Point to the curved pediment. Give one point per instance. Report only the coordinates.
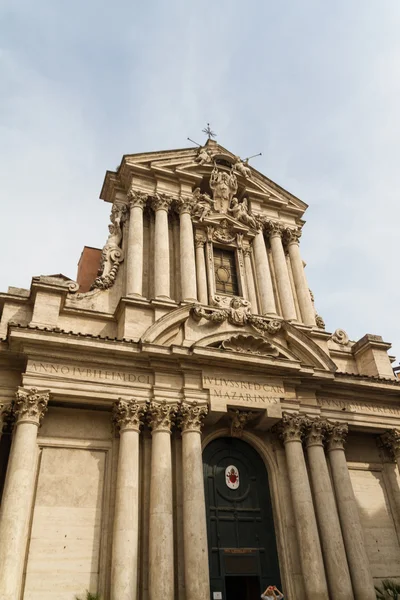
(193, 326)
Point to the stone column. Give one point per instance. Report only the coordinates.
(312, 564)
(281, 271)
(250, 278)
(353, 535)
(303, 294)
(134, 250)
(161, 547)
(263, 273)
(197, 581)
(30, 406)
(201, 273)
(186, 249)
(124, 562)
(337, 569)
(161, 204)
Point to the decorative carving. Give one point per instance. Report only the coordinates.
(238, 313)
(137, 198)
(242, 167)
(128, 414)
(340, 337)
(73, 286)
(249, 344)
(320, 323)
(292, 236)
(112, 254)
(185, 205)
(224, 186)
(273, 228)
(240, 211)
(239, 419)
(161, 202)
(199, 239)
(316, 432)
(391, 441)
(191, 416)
(203, 204)
(203, 156)
(161, 415)
(337, 433)
(292, 428)
(7, 418)
(31, 404)
(224, 233)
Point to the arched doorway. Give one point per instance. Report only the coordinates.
(242, 550)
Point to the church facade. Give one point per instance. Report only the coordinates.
(178, 423)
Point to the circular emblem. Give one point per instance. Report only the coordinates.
(232, 477)
(223, 274)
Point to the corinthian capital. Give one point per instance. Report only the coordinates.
(292, 236)
(316, 432)
(30, 405)
(161, 415)
(161, 202)
(391, 441)
(192, 416)
(185, 205)
(292, 428)
(337, 433)
(137, 198)
(274, 229)
(128, 414)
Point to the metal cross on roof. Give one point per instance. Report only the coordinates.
(209, 133)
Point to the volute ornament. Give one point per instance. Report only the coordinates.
(161, 415)
(128, 414)
(112, 254)
(30, 404)
(336, 434)
(340, 337)
(191, 416)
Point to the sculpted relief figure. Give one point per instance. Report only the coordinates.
(239, 311)
(240, 212)
(242, 168)
(203, 157)
(203, 204)
(112, 254)
(224, 186)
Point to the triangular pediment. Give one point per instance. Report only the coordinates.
(226, 222)
(188, 162)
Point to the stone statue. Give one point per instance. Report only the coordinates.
(203, 204)
(239, 311)
(240, 212)
(203, 157)
(242, 168)
(224, 186)
(112, 254)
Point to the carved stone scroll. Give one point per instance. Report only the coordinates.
(112, 254)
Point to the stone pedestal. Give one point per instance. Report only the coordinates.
(300, 281)
(194, 511)
(312, 564)
(134, 251)
(264, 280)
(30, 407)
(124, 562)
(161, 204)
(282, 275)
(161, 547)
(188, 264)
(337, 570)
(353, 535)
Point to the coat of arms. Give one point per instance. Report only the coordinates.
(232, 477)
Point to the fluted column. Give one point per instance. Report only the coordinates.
(281, 271)
(188, 263)
(197, 581)
(353, 535)
(303, 294)
(201, 273)
(30, 406)
(250, 278)
(312, 564)
(263, 273)
(127, 416)
(134, 251)
(161, 204)
(337, 570)
(161, 548)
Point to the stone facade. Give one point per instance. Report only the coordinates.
(199, 325)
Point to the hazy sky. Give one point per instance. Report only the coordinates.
(314, 86)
